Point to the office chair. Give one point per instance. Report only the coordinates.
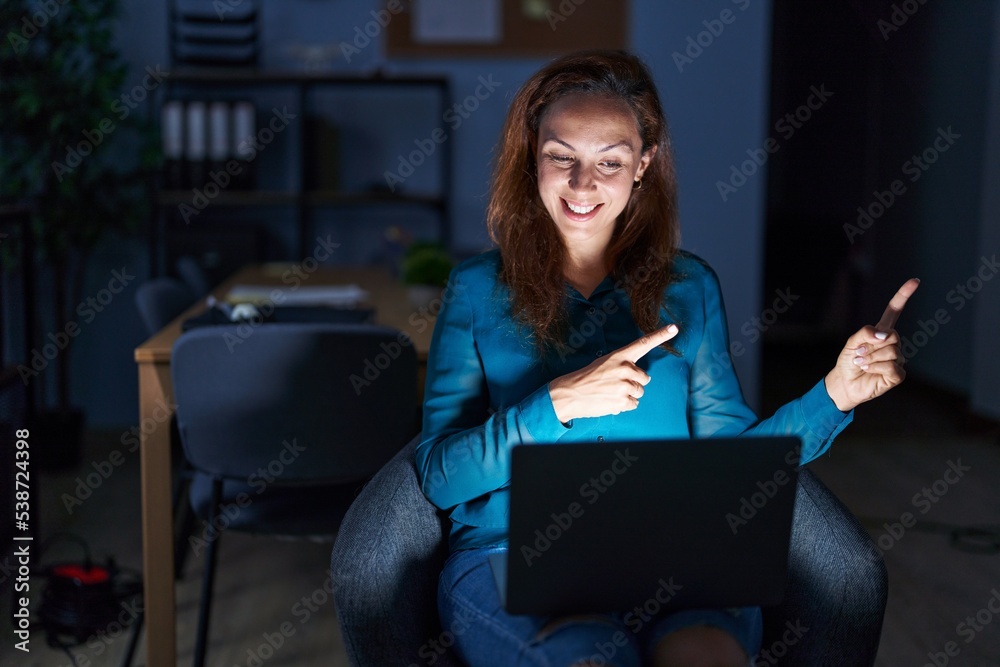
(160, 300)
(193, 275)
(302, 402)
(393, 543)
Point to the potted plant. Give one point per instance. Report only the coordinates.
(425, 269)
(66, 117)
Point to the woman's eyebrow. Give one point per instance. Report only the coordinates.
(621, 144)
(558, 141)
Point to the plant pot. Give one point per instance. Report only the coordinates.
(421, 296)
(57, 439)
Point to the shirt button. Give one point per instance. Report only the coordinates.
(600, 438)
(591, 310)
(599, 353)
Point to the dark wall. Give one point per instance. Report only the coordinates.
(717, 108)
(905, 75)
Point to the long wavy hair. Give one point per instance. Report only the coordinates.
(644, 241)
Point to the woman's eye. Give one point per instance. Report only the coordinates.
(611, 165)
(561, 159)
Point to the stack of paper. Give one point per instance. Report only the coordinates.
(339, 296)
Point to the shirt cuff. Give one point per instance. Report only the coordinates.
(539, 417)
(822, 415)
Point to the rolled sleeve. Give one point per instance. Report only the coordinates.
(539, 417)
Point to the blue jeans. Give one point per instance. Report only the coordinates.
(485, 634)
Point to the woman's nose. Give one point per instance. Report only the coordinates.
(581, 179)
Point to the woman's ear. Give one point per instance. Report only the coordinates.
(644, 161)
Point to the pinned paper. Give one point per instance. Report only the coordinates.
(449, 22)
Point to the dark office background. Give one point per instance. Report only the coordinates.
(796, 128)
(892, 90)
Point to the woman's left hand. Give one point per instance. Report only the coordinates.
(870, 363)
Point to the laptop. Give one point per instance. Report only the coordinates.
(616, 526)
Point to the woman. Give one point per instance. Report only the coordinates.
(588, 323)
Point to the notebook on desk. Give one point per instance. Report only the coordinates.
(609, 527)
(341, 296)
(281, 314)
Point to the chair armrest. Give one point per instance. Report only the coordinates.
(837, 589)
(392, 546)
(385, 565)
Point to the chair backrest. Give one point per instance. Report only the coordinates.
(160, 300)
(193, 275)
(296, 402)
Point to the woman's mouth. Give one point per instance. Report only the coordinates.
(579, 212)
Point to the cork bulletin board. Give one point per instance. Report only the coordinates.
(516, 28)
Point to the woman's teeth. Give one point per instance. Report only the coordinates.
(582, 210)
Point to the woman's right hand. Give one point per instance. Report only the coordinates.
(609, 385)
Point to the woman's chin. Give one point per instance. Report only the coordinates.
(584, 232)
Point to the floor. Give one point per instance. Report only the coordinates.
(893, 466)
(276, 610)
(272, 605)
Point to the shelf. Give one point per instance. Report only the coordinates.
(293, 195)
(231, 198)
(320, 198)
(288, 198)
(241, 77)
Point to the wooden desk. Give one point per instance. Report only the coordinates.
(156, 406)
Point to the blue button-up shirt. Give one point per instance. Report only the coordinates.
(487, 388)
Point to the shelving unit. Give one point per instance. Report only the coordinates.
(304, 87)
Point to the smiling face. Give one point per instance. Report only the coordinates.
(589, 156)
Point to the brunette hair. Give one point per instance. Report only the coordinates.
(645, 239)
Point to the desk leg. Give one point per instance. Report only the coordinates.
(156, 394)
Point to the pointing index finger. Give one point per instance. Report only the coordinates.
(638, 348)
(895, 307)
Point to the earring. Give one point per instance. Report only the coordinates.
(637, 187)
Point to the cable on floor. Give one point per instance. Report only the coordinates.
(981, 539)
